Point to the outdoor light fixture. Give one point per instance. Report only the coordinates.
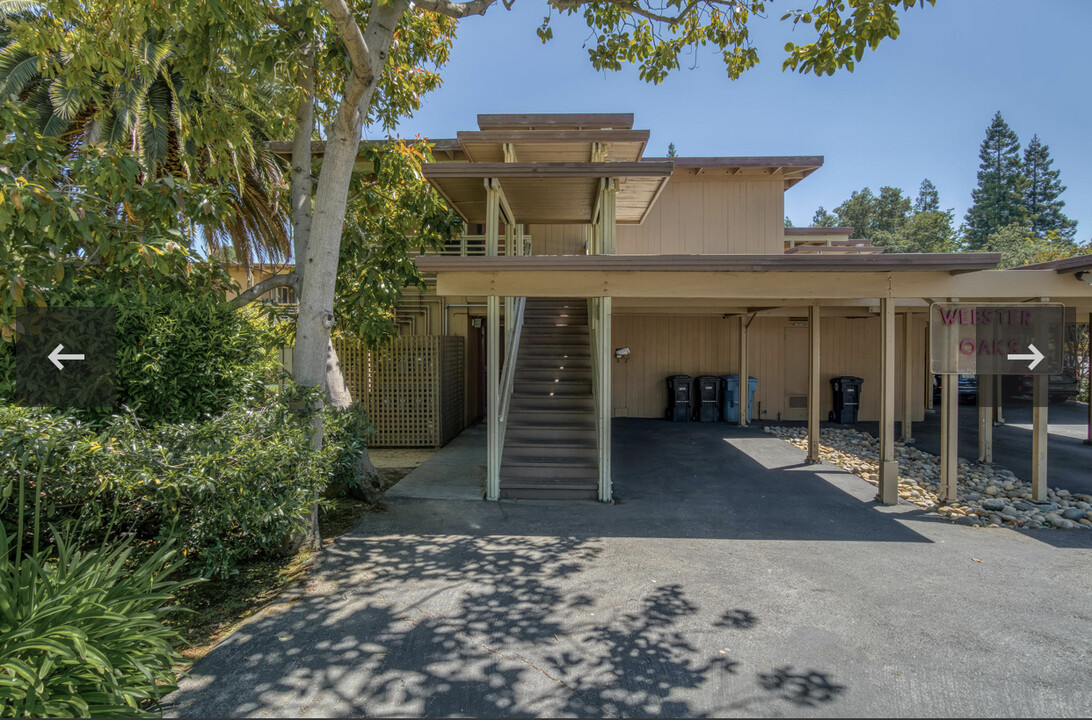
(1085, 276)
(621, 353)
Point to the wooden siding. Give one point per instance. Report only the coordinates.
(557, 239)
(708, 218)
(662, 345)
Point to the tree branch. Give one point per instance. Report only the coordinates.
(349, 30)
(455, 9)
(270, 283)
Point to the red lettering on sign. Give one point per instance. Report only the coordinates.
(966, 347)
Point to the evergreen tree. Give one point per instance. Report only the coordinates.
(671, 152)
(928, 198)
(999, 197)
(874, 216)
(1041, 196)
(822, 218)
(788, 222)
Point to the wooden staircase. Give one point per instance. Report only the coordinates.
(550, 442)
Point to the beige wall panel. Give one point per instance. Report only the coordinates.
(712, 218)
(662, 345)
(557, 239)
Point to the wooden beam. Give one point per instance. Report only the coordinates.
(606, 402)
(984, 397)
(573, 121)
(888, 491)
(546, 170)
(814, 387)
(744, 377)
(492, 366)
(907, 376)
(1039, 421)
(949, 437)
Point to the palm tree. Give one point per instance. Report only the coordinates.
(145, 112)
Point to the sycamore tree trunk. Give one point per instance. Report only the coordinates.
(313, 358)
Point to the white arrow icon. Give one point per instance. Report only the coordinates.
(1035, 356)
(56, 356)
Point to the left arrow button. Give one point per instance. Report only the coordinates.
(56, 356)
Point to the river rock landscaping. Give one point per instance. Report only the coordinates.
(988, 495)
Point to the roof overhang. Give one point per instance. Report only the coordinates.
(549, 193)
(553, 145)
(791, 169)
(1075, 264)
(745, 279)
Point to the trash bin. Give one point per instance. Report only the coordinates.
(679, 389)
(847, 398)
(707, 398)
(730, 397)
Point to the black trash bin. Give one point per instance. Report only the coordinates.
(847, 398)
(707, 398)
(679, 397)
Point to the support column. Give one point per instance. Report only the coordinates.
(888, 492)
(949, 436)
(509, 301)
(1039, 438)
(998, 393)
(907, 376)
(492, 359)
(606, 403)
(985, 417)
(744, 378)
(1088, 381)
(814, 389)
(927, 365)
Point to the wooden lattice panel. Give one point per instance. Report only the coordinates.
(413, 389)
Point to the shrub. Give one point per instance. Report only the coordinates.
(81, 632)
(229, 488)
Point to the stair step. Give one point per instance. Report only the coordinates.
(553, 375)
(536, 403)
(561, 416)
(551, 436)
(549, 389)
(542, 474)
(517, 450)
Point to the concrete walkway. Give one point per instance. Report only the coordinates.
(456, 472)
(731, 579)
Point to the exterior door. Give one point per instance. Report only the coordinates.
(795, 369)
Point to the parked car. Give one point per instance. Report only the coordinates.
(1060, 387)
(968, 388)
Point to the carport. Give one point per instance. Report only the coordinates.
(749, 286)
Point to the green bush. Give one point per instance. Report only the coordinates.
(229, 488)
(81, 633)
(182, 352)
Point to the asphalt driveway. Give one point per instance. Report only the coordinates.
(731, 579)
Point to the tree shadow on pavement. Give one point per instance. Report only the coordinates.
(477, 625)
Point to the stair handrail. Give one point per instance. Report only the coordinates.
(508, 373)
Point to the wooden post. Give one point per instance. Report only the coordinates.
(1039, 438)
(985, 417)
(888, 491)
(1088, 381)
(606, 404)
(492, 364)
(509, 301)
(949, 436)
(606, 245)
(907, 376)
(928, 365)
(814, 389)
(744, 378)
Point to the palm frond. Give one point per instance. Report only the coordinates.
(67, 100)
(56, 125)
(155, 126)
(18, 69)
(17, 7)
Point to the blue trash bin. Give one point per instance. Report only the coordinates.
(730, 398)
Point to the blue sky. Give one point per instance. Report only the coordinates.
(918, 107)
